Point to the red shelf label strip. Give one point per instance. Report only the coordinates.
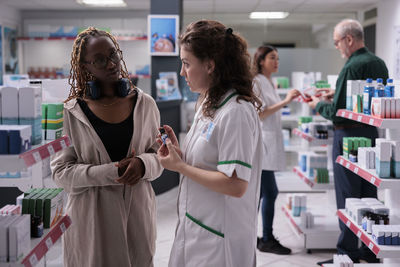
(35, 155)
(291, 220)
(359, 171)
(356, 230)
(377, 122)
(44, 245)
(303, 177)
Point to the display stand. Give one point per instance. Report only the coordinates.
(391, 186)
(33, 158)
(325, 232)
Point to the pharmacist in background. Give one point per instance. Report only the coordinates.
(266, 62)
(107, 172)
(361, 64)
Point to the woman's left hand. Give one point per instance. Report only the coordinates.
(169, 157)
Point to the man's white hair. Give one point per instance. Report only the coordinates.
(350, 27)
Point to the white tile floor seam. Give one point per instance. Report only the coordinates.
(166, 223)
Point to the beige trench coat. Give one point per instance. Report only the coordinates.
(112, 224)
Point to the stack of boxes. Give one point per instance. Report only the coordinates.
(15, 236)
(351, 145)
(314, 166)
(297, 203)
(384, 157)
(342, 261)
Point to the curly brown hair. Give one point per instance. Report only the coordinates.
(78, 76)
(211, 40)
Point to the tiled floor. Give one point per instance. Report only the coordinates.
(166, 222)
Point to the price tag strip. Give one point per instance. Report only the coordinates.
(38, 154)
(47, 242)
(363, 118)
(303, 177)
(359, 171)
(365, 238)
(292, 221)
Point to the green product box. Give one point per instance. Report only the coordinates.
(53, 120)
(32, 201)
(53, 207)
(26, 201)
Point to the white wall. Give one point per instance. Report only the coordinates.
(9, 16)
(257, 35)
(388, 19)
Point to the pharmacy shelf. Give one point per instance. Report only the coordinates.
(14, 163)
(71, 38)
(312, 140)
(42, 244)
(323, 235)
(369, 174)
(299, 148)
(381, 251)
(367, 119)
(310, 183)
(295, 117)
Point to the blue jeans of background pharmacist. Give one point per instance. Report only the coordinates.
(349, 184)
(268, 194)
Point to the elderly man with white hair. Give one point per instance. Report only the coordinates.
(361, 64)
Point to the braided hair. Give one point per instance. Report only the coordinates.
(78, 76)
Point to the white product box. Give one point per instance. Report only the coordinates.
(24, 134)
(30, 102)
(9, 105)
(387, 107)
(362, 157)
(397, 113)
(4, 236)
(395, 150)
(371, 156)
(383, 150)
(392, 108)
(20, 237)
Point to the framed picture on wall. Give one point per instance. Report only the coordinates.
(163, 33)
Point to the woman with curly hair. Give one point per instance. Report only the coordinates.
(220, 157)
(107, 171)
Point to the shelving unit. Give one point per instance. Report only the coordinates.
(369, 175)
(381, 251)
(391, 254)
(33, 158)
(312, 140)
(325, 232)
(312, 184)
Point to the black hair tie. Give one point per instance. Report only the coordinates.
(229, 31)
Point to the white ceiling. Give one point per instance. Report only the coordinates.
(302, 12)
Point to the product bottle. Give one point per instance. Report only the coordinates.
(389, 88)
(368, 93)
(380, 89)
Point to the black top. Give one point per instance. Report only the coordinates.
(116, 137)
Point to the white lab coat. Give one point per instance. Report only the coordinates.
(274, 154)
(215, 229)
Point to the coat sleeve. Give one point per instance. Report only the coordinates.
(74, 176)
(236, 143)
(153, 168)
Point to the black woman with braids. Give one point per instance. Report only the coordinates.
(107, 171)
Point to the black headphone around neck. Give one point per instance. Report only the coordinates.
(93, 88)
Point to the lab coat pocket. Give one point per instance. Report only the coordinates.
(204, 245)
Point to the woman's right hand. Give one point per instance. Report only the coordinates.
(163, 150)
(292, 94)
